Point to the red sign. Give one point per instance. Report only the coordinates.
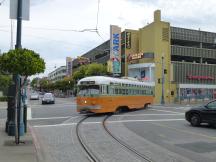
(198, 77)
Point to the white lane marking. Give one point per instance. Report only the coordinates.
(150, 120)
(29, 113)
(66, 121)
(165, 111)
(51, 106)
(170, 107)
(58, 117)
(180, 108)
(148, 114)
(177, 108)
(119, 121)
(54, 125)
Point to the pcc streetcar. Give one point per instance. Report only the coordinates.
(100, 94)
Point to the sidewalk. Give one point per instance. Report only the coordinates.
(10, 152)
(3, 105)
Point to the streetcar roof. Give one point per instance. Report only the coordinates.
(109, 80)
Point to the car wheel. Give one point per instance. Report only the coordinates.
(195, 120)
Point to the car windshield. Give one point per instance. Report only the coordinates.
(48, 95)
(88, 90)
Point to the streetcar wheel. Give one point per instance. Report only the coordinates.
(145, 106)
(118, 111)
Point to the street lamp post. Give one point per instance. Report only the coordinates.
(163, 79)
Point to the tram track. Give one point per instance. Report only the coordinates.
(90, 155)
(125, 145)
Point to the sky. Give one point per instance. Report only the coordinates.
(53, 25)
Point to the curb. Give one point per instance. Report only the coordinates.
(35, 142)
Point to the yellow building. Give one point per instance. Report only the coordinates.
(180, 62)
(149, 55)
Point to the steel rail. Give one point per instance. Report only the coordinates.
(90, 154)
(142, 156)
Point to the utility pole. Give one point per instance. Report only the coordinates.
(18, 79)
(163, 79)
(14, 124)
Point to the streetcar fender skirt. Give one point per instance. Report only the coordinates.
(88, 107)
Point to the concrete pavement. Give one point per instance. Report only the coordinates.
(3, 105)
(10, 152)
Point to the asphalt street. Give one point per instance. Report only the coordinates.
(160, 133)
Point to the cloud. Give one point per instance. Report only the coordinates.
(39, 2)
(55, 45)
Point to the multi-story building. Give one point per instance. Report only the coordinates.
(57, 74)
(69, 64)
(181, 62)
(100, 54)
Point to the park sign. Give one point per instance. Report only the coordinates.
(115, 48)
(25, 9)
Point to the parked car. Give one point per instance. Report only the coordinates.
(48, 98)
(202, 114)
(34, 96)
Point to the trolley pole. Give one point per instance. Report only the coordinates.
(162, 95)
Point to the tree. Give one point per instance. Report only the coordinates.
(44, 84)
(96, 69)
(93, 69)
(34, 82)
(24, 62)
(80, 73)
(5, 81)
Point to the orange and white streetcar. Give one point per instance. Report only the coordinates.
(100, 94)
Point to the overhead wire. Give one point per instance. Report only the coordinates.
(63, 30)
(48, 39)
(97, 31)
(97, 14)
(75, 30)
(71, 30)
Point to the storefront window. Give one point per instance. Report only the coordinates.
(196, 94)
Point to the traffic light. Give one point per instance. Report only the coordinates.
(159, 80)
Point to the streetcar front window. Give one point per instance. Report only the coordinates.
(86, 90)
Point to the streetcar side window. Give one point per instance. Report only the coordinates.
(104, 89)
(116, 91)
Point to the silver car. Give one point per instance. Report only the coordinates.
(48, 98)
(34, 96)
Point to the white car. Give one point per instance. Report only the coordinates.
(34, 96)
(48, 98)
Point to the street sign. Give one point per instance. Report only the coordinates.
(25, 9)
